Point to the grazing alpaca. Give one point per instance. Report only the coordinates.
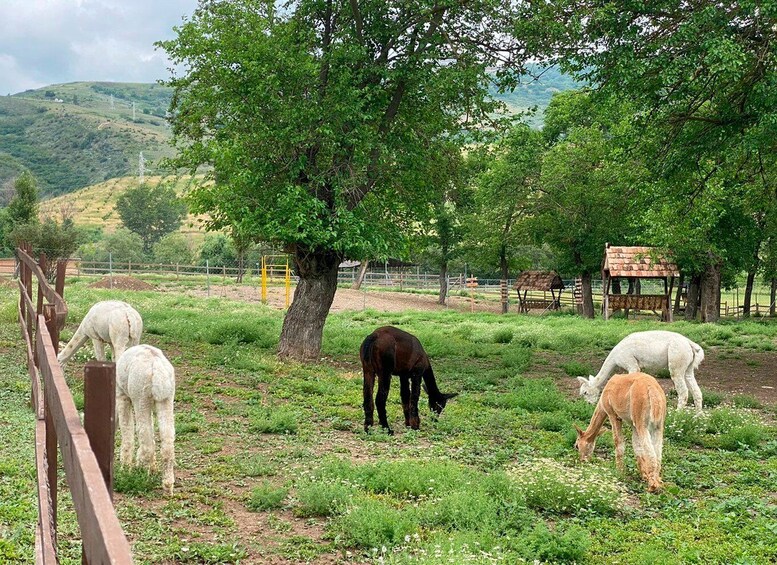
(638, 399)
(110, 321)
(390, 351)
(145, 383)
(655, 350)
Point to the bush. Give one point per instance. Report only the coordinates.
(568, 545)
(685, 426)
(273, 420)
(372, 524)
(460, 510)
(550, 486)
(746, 401)
(266, 497)
(173, 249)
(555, 422)
(712, 398)
(503, 335)
(747, 436)
(575, 369)
(323, 498)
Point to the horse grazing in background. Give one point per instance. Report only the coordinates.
(639, 400)
(390, 351)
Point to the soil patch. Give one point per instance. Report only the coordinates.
(122, 283)
(741, 373)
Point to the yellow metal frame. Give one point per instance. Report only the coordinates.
(269, 261)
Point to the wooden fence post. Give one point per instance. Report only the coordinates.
(100, 414)
(49, 314)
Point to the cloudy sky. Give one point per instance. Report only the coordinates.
(46, 42)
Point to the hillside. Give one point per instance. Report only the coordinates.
(95, 206)
(78, 134)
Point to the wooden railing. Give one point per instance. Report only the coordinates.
(87, 450)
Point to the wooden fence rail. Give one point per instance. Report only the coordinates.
(58, 428)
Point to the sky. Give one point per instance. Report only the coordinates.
(45, 42)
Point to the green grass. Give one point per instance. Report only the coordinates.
(272, 464)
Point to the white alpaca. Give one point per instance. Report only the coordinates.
(638, 400)
(658, 349)
(145, 383)
(109, 321)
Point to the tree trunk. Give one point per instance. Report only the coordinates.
(748, 293)
(588, 297)
(241, 257)
(694, 297)
(443, 282)
(357, 284)
(505, 268)
(772, 296)
(678, 296)
(303, 325)
(710, 292)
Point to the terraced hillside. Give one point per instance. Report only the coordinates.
(95, 206)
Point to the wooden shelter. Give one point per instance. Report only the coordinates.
(544, 281)
(637, 263)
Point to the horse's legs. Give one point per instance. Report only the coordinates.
(369, 405)
(415, 393)
(384, 384)
(404, 392)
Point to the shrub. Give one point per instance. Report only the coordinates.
(575, 369)
(685, 426)
(273, 420)
(372, 524)
(135, 481)
(257, 466)
(460, 510)
(323, 498)
(746, 436)
(712, 398)
(552, 487)
(746, 401)
(555, 422)
(411, 478)
(503, 335)
(266, 497)
(568, 545)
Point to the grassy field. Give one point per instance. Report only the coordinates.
(273, 467)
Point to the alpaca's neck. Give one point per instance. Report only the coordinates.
(597, 420)
(608, 369)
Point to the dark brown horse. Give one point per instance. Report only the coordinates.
(390, 351)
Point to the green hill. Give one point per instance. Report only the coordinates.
(78, 134)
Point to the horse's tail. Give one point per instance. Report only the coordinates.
(366, 352)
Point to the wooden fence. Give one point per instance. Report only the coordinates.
(87, 450)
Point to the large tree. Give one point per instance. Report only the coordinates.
(21, 210)
(322, 114)
(701, 75)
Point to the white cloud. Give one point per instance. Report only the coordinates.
(52, 41)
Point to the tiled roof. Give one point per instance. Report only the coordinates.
(538, 280)
(644, 262)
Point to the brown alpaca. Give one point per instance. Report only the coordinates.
(390, 351)
(638, 399)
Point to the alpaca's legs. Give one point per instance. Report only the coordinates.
(144, 424)
(690, 380)
(646, 459)
(127, 426)
(657, 439)
(682, 390)
(415, 394)
(369, 404)
(384, 384)
(620, 444)
(72, 346)
(166, 422)
(99, 350)
(404, 393)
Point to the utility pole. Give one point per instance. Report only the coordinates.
(142, 168)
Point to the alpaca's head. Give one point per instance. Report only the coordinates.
(584, 444)
(438, 404)
(588, 390)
